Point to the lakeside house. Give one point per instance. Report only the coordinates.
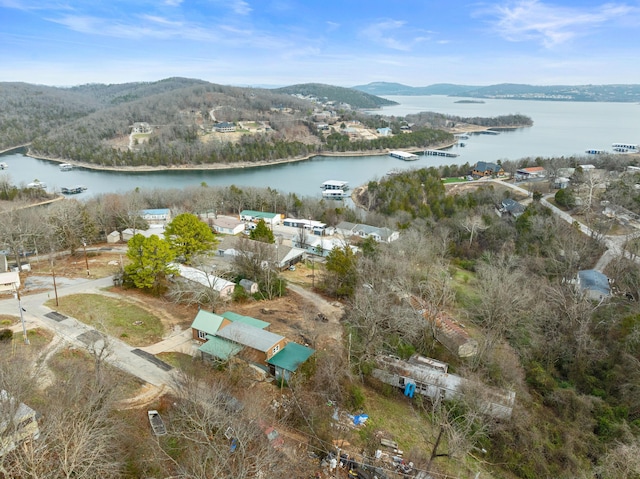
(483, 169)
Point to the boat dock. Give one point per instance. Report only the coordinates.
(403, 155)
(448, 154)
(334, 194)
(335, 185)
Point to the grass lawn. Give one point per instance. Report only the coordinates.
(454, 180)
(119, 318)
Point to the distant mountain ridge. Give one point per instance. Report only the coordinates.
(353, 97)
(604, 93)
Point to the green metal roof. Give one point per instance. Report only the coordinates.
(291, 356)
(220, 348)
(256, 323)
(207, 322)
(257, 214)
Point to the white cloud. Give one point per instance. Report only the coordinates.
(551, 25)
(385, 33)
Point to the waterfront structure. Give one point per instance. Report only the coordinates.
(403, 155)
(446, 154)
(625, 147)
(335, 185)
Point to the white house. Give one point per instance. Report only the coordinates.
(222, 286)
(227, 225)
(9, 281)
(141, 127)
(224, 127)
(157, 215)
(382, 235)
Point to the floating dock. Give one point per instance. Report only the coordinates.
(448, 154)
(403, 155)
(335, 185)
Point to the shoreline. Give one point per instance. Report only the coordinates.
(223, 166)
(258, 164)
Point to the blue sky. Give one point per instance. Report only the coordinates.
(346, 43)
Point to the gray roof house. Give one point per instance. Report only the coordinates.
(382, 235)
(594, 284)
(511, 207)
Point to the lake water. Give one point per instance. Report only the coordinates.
(559, 129)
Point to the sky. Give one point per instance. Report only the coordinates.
(343, 43)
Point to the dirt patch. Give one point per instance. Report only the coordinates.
(304, 318)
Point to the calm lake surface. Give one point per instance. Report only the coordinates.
(559, 129)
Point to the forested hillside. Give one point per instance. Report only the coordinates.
(350, 96)
(94, 124)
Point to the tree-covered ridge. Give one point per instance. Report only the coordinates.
(355, 98)
(607, 93)
(93, 124)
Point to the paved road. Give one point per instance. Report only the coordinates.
(135, 361)
(614, 244)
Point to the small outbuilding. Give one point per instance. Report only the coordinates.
(250, 287)
(113, 237)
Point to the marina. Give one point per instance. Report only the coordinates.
(559, 130)
(447, 154)
(403, 155)
(74, 190)
(333, 185)
(334, 194)
(625, 147)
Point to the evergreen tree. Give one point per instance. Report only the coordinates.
(150, 262)
(262, 233)
(189, 236)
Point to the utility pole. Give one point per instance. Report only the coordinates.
(55, 288)
(24, 328)
(86, 260)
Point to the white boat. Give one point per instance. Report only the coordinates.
(66, 166)
(403, 155)
(334, 194)
(37, 184)
(625, 147)
(335, 185)
(3, 166)
(594, 151)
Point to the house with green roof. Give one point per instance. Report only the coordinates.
(286, 362)
(255, 216)
(229, 334)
